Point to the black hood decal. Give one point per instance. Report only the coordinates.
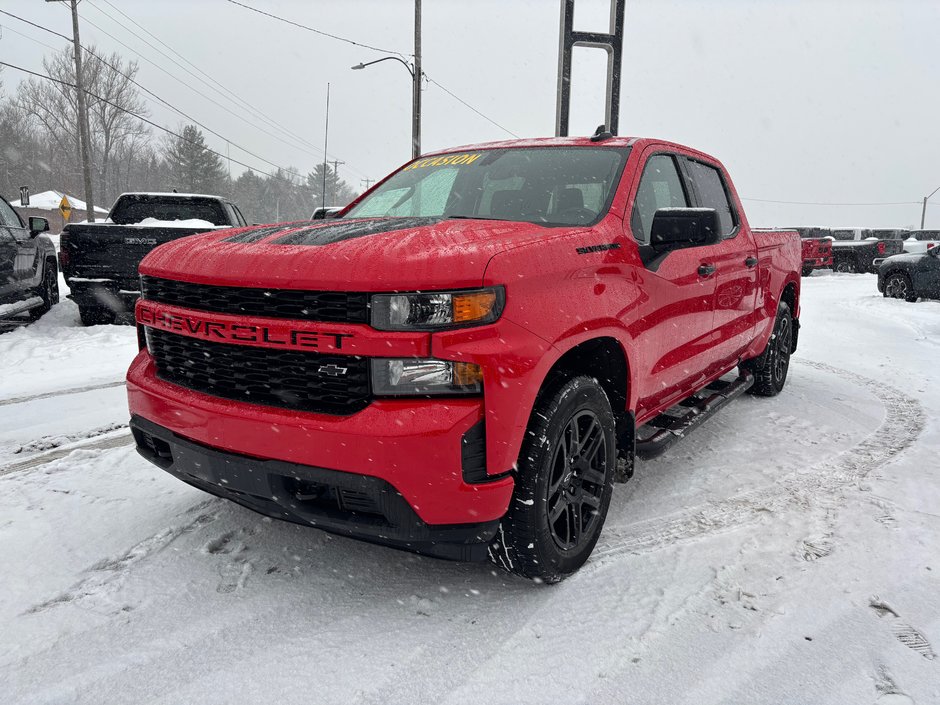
(337, 232)
(260, 233)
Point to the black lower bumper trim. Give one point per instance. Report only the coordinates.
(359, 506)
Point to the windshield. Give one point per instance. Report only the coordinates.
(548, 185)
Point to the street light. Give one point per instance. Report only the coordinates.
(415, 99)
(923, 213)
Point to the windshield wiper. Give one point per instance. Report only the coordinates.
(469, 217)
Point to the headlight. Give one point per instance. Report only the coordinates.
(416, 377)
(437, 310)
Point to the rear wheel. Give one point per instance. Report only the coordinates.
(899, 286)
(48, 290)
(771, 366)
(846, 266)
(96, 315)
(563, 486)
(807, 271)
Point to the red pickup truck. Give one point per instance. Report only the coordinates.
(465, 362)
(817, 254)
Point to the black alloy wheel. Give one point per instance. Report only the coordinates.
(579, 472)
(898, 286)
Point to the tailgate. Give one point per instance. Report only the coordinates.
(112, 252)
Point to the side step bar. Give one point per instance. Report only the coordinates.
(699, 407)
(15, 309)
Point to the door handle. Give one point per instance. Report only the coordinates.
(750, 261)
(706, 270)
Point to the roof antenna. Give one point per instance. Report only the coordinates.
(601, 134)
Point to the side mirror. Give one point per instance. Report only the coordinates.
(37, 225)
(934, 251)
(678, 228)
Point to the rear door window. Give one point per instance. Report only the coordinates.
(712, 193)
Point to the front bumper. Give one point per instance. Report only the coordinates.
(416, 446)
(359, 506)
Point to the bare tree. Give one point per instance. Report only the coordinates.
(113, 99)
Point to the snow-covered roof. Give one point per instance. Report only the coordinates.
(49, 200)
(171, 193)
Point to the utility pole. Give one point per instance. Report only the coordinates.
(367, 182)
(326, 141)
(336, 163)
(84, 140)
(923, 212)
(416, 89)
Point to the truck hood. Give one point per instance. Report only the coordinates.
(375, 254)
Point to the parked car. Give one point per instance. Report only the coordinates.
(856, 249)
(457, 366)
(919, 241)
(817, 254)
(100, 260)
(29, 277)
(911, 276)
(324, 212)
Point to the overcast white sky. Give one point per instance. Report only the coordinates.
(803, 100)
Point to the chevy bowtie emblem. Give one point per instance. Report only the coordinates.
(332, 370)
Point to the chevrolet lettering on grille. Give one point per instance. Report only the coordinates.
(227, 331)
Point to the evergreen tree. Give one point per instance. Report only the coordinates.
(192, 167)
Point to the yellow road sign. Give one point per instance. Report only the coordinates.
(65, 208)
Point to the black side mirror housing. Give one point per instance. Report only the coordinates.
(38, 225)
(678, 228)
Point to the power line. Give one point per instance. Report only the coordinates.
(147, 91)
(465, 103)
(819, 203)
(26, 36)
(221, 89)
(139, 117)
(318, 31)
(367, 46)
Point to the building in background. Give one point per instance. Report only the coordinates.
(46, 205)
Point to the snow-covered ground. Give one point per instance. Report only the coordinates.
(786, 552)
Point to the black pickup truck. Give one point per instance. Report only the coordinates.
(29, 278)
(856, 249)
(100, 260)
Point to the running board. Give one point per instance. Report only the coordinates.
(697, 408)
(15, 309)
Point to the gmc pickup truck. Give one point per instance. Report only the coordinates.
(466, 361)
(99, 260)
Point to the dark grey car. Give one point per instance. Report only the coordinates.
(29, 276)
(911, 276)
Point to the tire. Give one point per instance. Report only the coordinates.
(771, 366)
(48, 290)
(898, 286)
(807, 271)
(96, 315)
(558, 508)
(846, 266)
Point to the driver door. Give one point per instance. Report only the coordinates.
(674, 332)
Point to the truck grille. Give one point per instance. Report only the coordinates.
(283, 378)
(332, 306)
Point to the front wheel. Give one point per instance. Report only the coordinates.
(899, 286)
(771, 366)
(807, 271)
(563, 485)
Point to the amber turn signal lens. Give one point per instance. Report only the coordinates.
(473, 307)
(466, 374)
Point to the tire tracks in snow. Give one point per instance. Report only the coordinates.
(903, 423)
(61, 393)
(121, 438)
